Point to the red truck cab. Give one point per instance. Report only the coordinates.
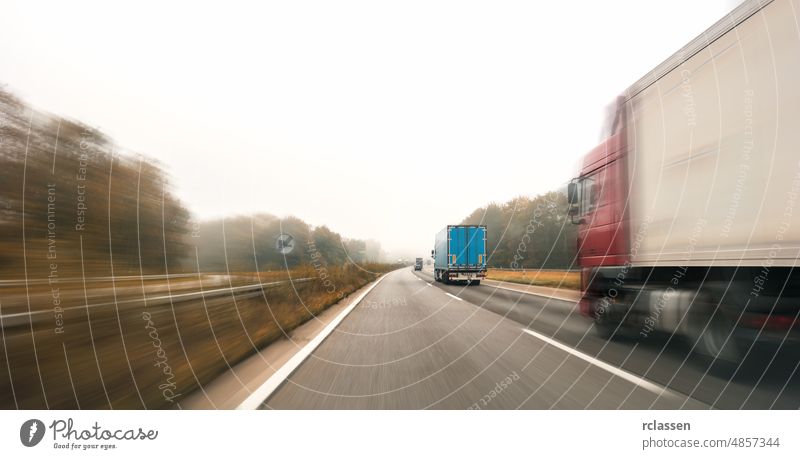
(598, 200)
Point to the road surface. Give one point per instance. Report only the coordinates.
(413, 343)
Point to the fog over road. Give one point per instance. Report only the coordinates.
(413, 343)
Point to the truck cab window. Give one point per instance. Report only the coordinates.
(589, 194)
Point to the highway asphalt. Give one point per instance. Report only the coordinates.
(413, 343)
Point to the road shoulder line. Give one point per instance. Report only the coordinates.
(263, 392)
(543, 295)
(496, 284)
(630, 377)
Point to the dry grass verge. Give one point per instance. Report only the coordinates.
(149, 356)
(558, 279)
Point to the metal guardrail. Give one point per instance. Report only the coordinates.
(27, 318)
(15, 282)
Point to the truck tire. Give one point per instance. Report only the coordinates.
(604, 326)
(477, 282)
(713, 332)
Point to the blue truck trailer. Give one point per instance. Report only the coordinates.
(459, 254)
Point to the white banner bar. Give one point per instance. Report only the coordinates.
(401, 434)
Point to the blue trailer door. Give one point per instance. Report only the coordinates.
(467, 246)
(474, 244)
(458, 240)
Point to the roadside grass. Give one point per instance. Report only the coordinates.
(557, 279)
(151, 355)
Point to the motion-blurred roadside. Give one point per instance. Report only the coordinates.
(111, 296)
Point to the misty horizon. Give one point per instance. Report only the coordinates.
(244, 125)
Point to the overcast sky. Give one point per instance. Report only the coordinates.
(381, 120)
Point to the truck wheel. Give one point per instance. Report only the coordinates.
(713, 333)
(604, 325)
(477, 282)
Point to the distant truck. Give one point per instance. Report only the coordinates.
(460, 254)
(684, 210)
(418, 264)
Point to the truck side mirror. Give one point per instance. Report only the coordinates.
(572, 192)
(432, 253)
(573, 212)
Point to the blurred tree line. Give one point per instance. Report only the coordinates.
(251, 243)
(71, 202)
(528, 232)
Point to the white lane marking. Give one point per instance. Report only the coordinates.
(639, 381)
(561, 298)
(429, 284)
(262, 393)
(448, 294)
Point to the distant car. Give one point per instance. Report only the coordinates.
(418, 264)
